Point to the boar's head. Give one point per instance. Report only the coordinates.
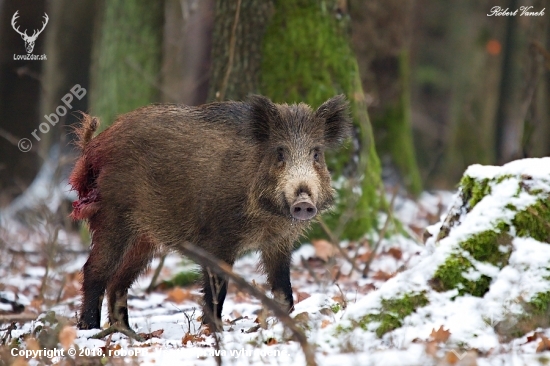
(293, 180)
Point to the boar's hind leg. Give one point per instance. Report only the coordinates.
(276, 263)
(96, 273)
(135, 260)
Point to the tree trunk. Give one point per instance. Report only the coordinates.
(187, 43)
(381, 36)
(293, 52)
(68, 47)
(20, 85)
(126, 57)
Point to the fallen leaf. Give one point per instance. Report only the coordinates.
(440, 335)
(325, 323)
(431, 348)
(67, 336)
(396, 253)
(382, 276)
(155, 334)
(271, 341)
(544, 344)
(301, 296)
(193, 338)
(178, 295)
(451, 357)
(323, 249)
(532, 338)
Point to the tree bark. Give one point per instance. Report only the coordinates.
(20, 84)
(126, 57)
(187, 43)
(381, 37)
(68, 47)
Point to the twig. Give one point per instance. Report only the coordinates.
(8, 331)
(156, 275)
(232, 42)
(334, 241)
(116, 328)
(382, 233)
(221, 268)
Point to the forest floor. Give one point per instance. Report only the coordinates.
(39, 299)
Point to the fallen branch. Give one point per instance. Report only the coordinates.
(221, 268)
(116, 328)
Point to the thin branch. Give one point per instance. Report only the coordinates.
(232, 42)
(151, 286)
(221, 268)
(116, 328)
(335, 242)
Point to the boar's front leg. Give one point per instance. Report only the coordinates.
(276, 263)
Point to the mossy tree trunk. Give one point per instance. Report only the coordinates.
(300, 51)
(381, 37)
(126, 57)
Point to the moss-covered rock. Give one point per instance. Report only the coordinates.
(485, 273)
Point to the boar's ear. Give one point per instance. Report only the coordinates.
(264, 115)
(335, 113)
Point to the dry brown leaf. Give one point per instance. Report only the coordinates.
(440, 335)
(154, 334)
(544, 344)
(431, 348)
(20, 361)
(339, 299)
(32, 344)
(323, 249)
(325, 323)
(301, 296)
(67, 336)
(178, 295)
(193, 338)
(271, 341)
(451, 357)
(382, 276)
(396, 253)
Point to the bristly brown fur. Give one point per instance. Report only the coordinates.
(228, 177)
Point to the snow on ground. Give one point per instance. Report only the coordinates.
(331, 298)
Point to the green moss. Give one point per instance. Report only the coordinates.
(182, 279)
(126, 58)
(393, 311)
(449, 276)
(474, 190)
(307, 58)
(538, 304)
(484, 247)
(534, 222)
(335, 308)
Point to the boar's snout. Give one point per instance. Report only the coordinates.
(303, 208)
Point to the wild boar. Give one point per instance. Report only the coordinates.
(229, 177)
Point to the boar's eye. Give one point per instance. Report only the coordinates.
(280, 155)
(316, 154)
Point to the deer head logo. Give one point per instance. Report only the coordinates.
(29, 40)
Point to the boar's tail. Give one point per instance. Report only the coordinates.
(85, 132)
(84, 175)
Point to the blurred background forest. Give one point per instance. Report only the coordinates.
(445, 85)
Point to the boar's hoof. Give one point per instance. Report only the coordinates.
(303, 209)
